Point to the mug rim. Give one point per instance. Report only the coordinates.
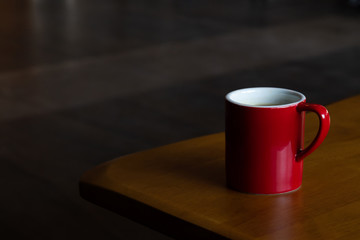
(284, 90)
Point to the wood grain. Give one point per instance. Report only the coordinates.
(180, 188)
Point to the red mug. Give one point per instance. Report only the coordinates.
(264, 139)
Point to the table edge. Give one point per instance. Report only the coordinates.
(145, 214)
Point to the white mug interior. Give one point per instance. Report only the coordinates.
(265, 97)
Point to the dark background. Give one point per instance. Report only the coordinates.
(85, 81)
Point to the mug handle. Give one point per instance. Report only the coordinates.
(324, 126)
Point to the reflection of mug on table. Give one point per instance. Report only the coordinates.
(264, 139)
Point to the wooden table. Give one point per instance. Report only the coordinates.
(179, 189)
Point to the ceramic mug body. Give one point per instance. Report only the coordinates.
(264, 139)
